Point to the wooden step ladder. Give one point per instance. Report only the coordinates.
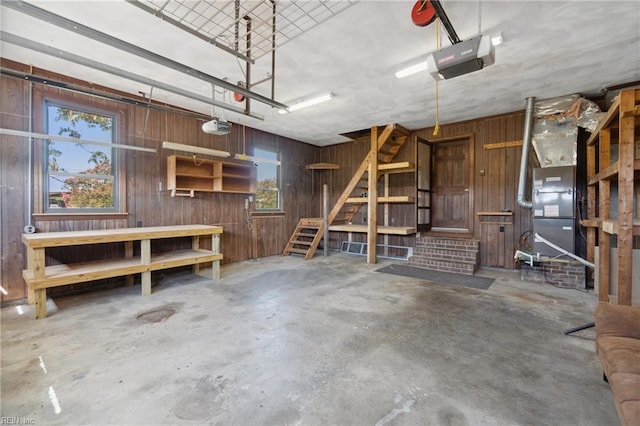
(305, 237)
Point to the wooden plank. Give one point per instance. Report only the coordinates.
(391, 230)
(372, 205)
(501, 145)
(397, 167)
(390, 199)
(625, 197)
(60, 239)
(610, 117)
(322, 166)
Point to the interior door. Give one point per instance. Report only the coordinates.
(451, 180)
(423, 180)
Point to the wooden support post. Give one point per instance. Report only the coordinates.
(41, 303)
(145, 254)
(195, 245)
(215, 266)
(625, 197)
(325, 217)
(32, 255)
(128, 253)
(591, 202)
(372, 210)
(604, 212)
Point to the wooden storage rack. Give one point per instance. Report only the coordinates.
(621, 127)
(187, 175)
(39, 277)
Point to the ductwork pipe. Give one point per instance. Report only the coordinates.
(524, 160)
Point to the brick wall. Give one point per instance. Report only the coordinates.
(457, 255)
(561, 273)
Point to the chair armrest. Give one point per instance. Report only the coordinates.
(617, 320)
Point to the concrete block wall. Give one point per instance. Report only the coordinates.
(457, 255)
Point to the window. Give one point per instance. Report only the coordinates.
(268, 190)
(79, 176)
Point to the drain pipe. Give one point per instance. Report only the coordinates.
(539, 238)
(524, 160)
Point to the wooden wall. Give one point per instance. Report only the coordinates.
(148, 203)
(496, 178)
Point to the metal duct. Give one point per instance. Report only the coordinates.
(524, 160)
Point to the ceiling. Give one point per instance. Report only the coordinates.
(350, 48)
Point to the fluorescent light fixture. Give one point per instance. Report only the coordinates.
(195, 149)
(413, 69)
(497, 39)
(59, 138)
(308, 102)
(257, 160)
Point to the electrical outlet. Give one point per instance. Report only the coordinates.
(501, 228)
(139, 224)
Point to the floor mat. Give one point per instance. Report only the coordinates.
(473, 281)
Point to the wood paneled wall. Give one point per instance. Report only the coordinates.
(495, 183)
(148, 203)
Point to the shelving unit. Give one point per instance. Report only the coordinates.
(187, 175)
(620, 128)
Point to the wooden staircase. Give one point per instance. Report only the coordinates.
(305, 237)
(388, 143)
(384, 147)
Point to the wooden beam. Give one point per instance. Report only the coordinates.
(591, 202)
(500, 145)
(604, 210)
(372, 206)
(625, 196)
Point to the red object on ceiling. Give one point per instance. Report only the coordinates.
(423, 13)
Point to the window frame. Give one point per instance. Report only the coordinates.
(43, 97)
(278, 189)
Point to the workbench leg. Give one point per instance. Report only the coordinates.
(145, 254)
(31, 296)
(128, 253)
(195, 245)
(146, 283)
(215, 266)
(41, 303)
(215, 270)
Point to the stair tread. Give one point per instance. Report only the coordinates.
(295, 250)
(304, 243)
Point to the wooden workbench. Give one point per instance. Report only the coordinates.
(39, 277)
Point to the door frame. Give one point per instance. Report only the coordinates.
(470, 137)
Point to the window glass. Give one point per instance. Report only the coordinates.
(79, 175)
(268, 188)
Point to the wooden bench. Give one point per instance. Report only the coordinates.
(39, 277)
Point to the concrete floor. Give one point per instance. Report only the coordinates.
(283, 341)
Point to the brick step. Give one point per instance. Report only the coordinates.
(443, 266)
(446, 254)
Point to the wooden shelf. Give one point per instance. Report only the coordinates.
(399, 167)
(190, 174)
(391, 230)
(322, 166)
(506, 215)
(618, 128)
(390, 199)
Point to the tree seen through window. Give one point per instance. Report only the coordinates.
(79, 175)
